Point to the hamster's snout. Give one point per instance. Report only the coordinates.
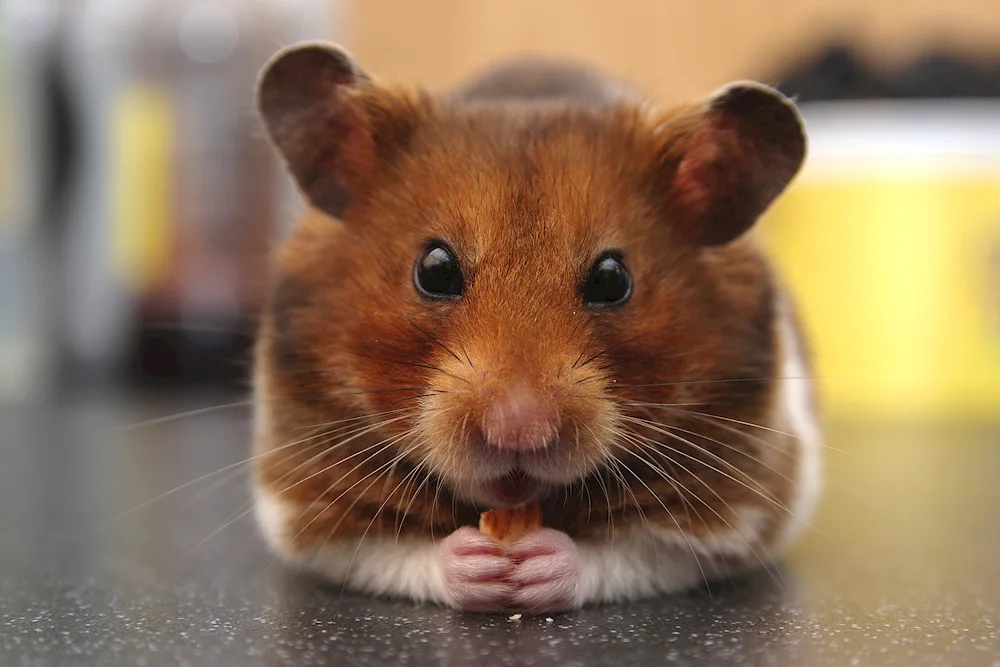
(506, 428)
(521, 418)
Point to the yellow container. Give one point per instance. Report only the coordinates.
(890, 239)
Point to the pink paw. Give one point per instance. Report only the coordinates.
(476, 571)
(546, 573)
(538, 574)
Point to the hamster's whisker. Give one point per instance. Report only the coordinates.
(679, 488)
(413, 497)
(618, 464)
(657, 444)
(374, 391)
(719, 418)
(663, 505)
(461, 432)
(604, 368)
(246, 509)
(623, 433)
(590, 500)
(584, 490)
(440, 481)
(643, 519)
(662, 429)
(381, 507)
(707, 420)
(367, 423)
(385, 445)
(202, 478)
(599, 477)
(156, 421)
(415, 364)
(637, 439)
(731, 447)
(730, 420)
(467, 357)
(327, 437)
(434, 500)
(379, 472)
(428, 393)
(345, 434)
(606, 350)
(434, 339)
(682, 383)
(380, 444)
(407, 451)
(367, 417)
(223, 480)
(325, 443)
(648, 445)
(641, 404)
(762, 441)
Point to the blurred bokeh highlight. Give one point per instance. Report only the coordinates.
(139, 201)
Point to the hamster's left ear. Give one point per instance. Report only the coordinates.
(332, 125)
(728, 159)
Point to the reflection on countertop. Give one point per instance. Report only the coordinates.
(128, 541)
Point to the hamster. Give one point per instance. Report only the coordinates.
(536, 288)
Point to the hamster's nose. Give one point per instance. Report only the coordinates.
(521, 419)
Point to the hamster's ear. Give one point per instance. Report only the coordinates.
(730, 158)
(328, 121)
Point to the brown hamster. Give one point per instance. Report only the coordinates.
(536, 288)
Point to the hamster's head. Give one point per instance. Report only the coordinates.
(504, 286)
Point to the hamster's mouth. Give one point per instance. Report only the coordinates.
(515, 488)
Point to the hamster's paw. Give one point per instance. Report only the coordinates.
(477, 572)
(546, 572)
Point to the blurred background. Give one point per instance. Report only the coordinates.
(139, 201)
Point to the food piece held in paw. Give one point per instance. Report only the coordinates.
(507, 526)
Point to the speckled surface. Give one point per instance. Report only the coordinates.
(902, 566)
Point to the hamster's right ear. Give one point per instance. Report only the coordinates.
(329, 122)
(727, 160)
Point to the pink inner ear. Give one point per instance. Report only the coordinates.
(697, 176)
(706, 171)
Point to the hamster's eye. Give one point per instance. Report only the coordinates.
(437, 274)
(608, 283)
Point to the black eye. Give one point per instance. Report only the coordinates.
(437, 274)
(609, 283)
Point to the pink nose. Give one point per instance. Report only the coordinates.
(521, 419)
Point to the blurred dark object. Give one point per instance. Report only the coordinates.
(838, 72)
(939, 75)
(31, 117)
(835, 74)
(170, 199)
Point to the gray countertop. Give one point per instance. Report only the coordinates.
(99, 565)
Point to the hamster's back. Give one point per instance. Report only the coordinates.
(541, 80)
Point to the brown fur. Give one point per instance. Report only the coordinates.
(527, 195)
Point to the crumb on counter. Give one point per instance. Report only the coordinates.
(515, 617)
